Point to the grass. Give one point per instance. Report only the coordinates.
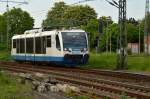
(4, 53)
(108, 61)
(11, 89)
(100, 61)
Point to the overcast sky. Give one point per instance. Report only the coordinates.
(39, 8)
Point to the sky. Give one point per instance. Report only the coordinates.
(38, 9)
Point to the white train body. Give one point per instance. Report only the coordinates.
(62, 47)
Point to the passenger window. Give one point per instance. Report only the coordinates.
(29, 45)
(40, 45)
(57, 43)
(48, 41)
(14, 43)
(18, 45)
(22, 46)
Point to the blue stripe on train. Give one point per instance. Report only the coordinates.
(59, 60)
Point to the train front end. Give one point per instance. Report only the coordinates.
(75, 47)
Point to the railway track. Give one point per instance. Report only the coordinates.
(87, 80)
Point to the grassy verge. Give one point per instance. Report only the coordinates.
(100, 61)
(4, 53)
(11, 89)
(108, 61)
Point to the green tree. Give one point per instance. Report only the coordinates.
(55, 16)
(70, 16)
(110, 35)
(80, 15)
(132, 33)
(92, 29)
(19, 21)
(2, 28)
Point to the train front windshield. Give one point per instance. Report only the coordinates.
(74, 39)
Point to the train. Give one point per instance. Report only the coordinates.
(63, 47)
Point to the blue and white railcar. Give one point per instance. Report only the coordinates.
(68, 47)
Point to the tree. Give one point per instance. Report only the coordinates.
(70, 16)
(2, 28)
(80, 15)
(111, 34)
(56, 15)
(18, 22)
(92, 29)
(133, 33)
(132, 21)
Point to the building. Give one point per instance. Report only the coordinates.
(147, 42)
(133, 48)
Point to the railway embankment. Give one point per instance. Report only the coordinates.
(10, 88)
(33, 86)
(92, 83)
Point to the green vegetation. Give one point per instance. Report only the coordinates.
(4, 53)
(108, 61)
(11, 89)
(19, 21)
(68, 16)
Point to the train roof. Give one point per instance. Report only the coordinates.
(40, 33)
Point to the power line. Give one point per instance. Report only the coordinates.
(6, 1)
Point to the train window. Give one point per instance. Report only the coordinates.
(43, 40)
(22, 46)
(38, 45)
(18, 45)
(57, 43)
(48, 41)
(29, 45)
(14, 43)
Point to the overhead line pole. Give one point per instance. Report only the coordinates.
(146, 34)
(122, 51)
(122, 33)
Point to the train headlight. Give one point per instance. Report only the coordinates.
(70, 50)
(65, 49)
(83, 50)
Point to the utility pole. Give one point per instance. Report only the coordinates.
(8, 37)
(107, 33)
(146, 33)
(100, 30)
(7, 17)
(139, 38)
(122, 51)
(110, 45)
(122, 34)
